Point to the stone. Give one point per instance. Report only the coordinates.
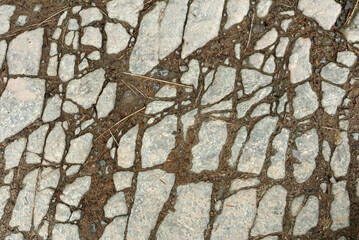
(13, 153)
(55, 144)
(326, 151)
(270, 212)
(307, 217)
(191, 215)
(52, 66)
(67, 67)
(21, 104)
(53, 49)
(63, 212)
(37, 139)
(236, 11)
(285, 24)
(244, 106)
(269, 66)
(125, 10)
(297, 205)
(95, 55)
(92, 36)
(15, 236)
(116, 205)
(32, 158)
(351, 32)
(122, 180)
(4, 196)
(212, 135)
(237, 51)
(347, 58)
(239, 183)
(223, 84)
(281, 47)
(115, 229)
(90, 15)
(332, 97)
(83, 64)
(280, 144)
(263, 8)
(79, 149)
(117, 38)
(341, 157)
(158, 141)
(325, 12)
(166, 91)
(335, 74)
(7, 180)
(267, 39)
(340, 207)
(153, 190)
(305, 101)
(106, 101)
(126, 148)
(85, 90)
(306, 153)
(237, 216)
(157, 106)
(188, 120)
(43, 231)
(260, 110)
(3, 47)
(237, 146)
(256, 60)
(191, 77)
(252, 80)
(6, 11)
(254, 152)
(73, 192)
(65, 231)
(24, 53)
(299, 65)
(73, 24)
(202, 20)
(70, 107)
(53, 109)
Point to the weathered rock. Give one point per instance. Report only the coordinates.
(299, 64)
(341, 156)
(236, 11)
(308, 216)
(280, 144)
(106, 101)
(252, 80)
(90, 15)
(53, 109)
(332, 97)
(126, 148)
(55, 144)
(267, 39)
(92, 36)
(305, 101)
(340, 206)
(335, 74)
(67, 67)
(6, 11)
(73, 192)
(116, 205)
(125, 10)
(117, 38)
(79, 149)
(13, 153)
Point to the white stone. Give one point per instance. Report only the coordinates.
(83, 64)
(157, 106)
(307, 217)
(70, 107)
(37, 139)
(15, 236)
(158, 141)
(166, 91)
(67, 67)
(261, 110)
(116, 205)
(24, 53)
(335, 74)
(73, 170)
(256, 60)
(269, 66)
(267, 39)
(221, 106)
(115, 229)
(270, 212)
(191, 77)
(306, 153)
(55, 144)
(126, 149)
(44, 230)
(85, 90)
(8, 179)
(188, 120)
(122, 180)
(281, 47)
(296, 205)
(263, 8)
(340, 206)
(280, 144)
(117, 38)
(347, 58)
(63, 213)
(106, 101)
(341, 156)
(13, 153)
(203, 20)
(90, 15)
(6, 11)
(95, 55)
(190, 218)
(305, 101)
(237, 51)
(73, 192)
(252, 80)
(326, 151)
(325, 12)
(69, 38)
(285, 24)
(3, 47)
(73, 24)
(351, 32)
(332, 97)
(153, 189)
(244, 106)
(53, 49)
(21, 104)
(65, 231)
(79, 149)
(92, 36)
(52, 66)
(4, 196)
(299, 64)
(236, 11)
(32, 158)
(254, 152)
(212, 136)
(125, 10)
(53, 109)
(237, 146)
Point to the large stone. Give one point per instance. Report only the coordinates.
(335, 74)
(4, 196)
(6, 11)
(305, 101)
(90, 15)
(340, 206)
(280, 144)
(20, 105)
(3, 48)
(252, 80)
(263, 8)
(55, 144)
(73, 192)
(106, 101)
(126, 149)
(79, 149)
(267, 39)
(237, 146)
(65, 231)
(116, 205)
(115, 229)
(332, 97)
(341, 156)
(53, 109)
(37, 139)
(13, 153)
(125, 10)
(308, 216)
(117, 38)
(67, 67)
(244, 106)
(299, 64)
(236, 11)
(191, 77)
(92, 36)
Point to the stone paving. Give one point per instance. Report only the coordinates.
(176, 119)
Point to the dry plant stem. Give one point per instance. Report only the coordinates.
(351, 13)
(157, 80)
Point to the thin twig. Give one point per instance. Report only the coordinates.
(157, 80)
(250, 33)
(129, 87)
(114, 139)
(121, 121)
(53, 15)
(351, 14)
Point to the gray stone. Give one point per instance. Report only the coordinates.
(267, 39)
(325, 12)
(256, 60)
(285, 24)
(95, 55)
(63, 212)
(153, 189)
(254, 152)
(236, 11)
(237, 216)
(21, 104)
(106, 101)
(73, 24)
(158, 141)
(305, 101)
(347, 58)
(115, 229)
(237, 146)
(67, 67)
(73, 192)
(299, 64)
(351, 32)
(222, 85)
(221, 106)
(125, 10)
(280, 144)
(282, 46)
(53, 49)
(237, 51)
(212, 136)
(4, 196)
(341, 156)
(116, 205)
(3, 47)
(335, 74)
(55, 144)
(307, 217)
(157, 106)
(13, 153)
(244, 106)
(15, 236)
(166, 91)
(326, 151)
(32, 158)
(52, 66)
(126, 149)
(282, 101)
(306, 153)
(191, 77)
(191, 215)
(53, 109)
(340, 206)
(252, 80)
(90, 15)
(43, 231)
(65, 231)
(7, 180)
(270, 212)
(188, 120)
(332, 97)
(92, 36)
(6, 11)
(241, 183)
(24, 53)
(203, 20)
(122, 180)
(70, 107)
(269, 66)
(261, 110)
(297, 205)
(263, 8)
(117, 38)
(85, 90)
(79, 149)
